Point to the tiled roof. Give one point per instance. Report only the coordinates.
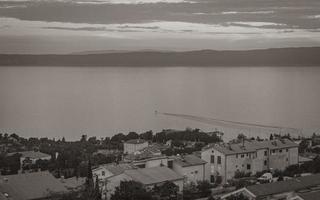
(31, 154)
(148, 152)
(148, 176)
(117, 169)
(135, 141)
(30, 185)
(285, 186)
(310, 195)
(251, 146)
(189, 160)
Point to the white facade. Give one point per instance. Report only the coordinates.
(132, 146)
(224, 162)
(191, 173)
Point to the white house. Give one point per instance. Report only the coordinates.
(191, 167)
(132, 146)
(225, 160)
(149, 177)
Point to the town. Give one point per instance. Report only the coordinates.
(171, 164)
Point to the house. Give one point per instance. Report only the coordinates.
(285, 190)
(191, 167)
(108, 170)
(149, 157)
(149, 177)
(224, 160)
(132, 146)
(38, 185)
(31, 157)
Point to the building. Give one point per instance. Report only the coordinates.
(108, 170)
(31, 157)
(149, 157)
(38, 185)
(132, 146)
(224, 160)
(149, 177)
(293, 189)
(190, 167)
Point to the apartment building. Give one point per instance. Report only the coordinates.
(131, 146)
(224, 160)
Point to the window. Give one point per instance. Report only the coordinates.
(287, 159)
(219, 159)
(273, 151)
(247, 155)
(103, 173)
(212, 151)
(287, 150)
(212, 158)
(265, 163)
(280, 150)
(242, 155)
(170, 164)
(236, 155)
(248, 166)
(265, 153)
(196, 171)
(212, 178)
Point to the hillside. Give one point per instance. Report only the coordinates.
(308, 56)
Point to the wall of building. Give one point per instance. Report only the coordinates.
(112, 183)
(102, 173)
(282, 158)
(191, 173)
(131, 148)
(214, 169)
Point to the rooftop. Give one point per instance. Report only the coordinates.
(135, 141)
(30, 185)
(31, 154)
(310, 195)
(251, 146)
(285, 186)
(189, 160)
(117, 169)
(148, 176)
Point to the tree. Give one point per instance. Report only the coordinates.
(204, 187)
(132, 135)
(97, 193)
(130, 190)
(118, 137)
(89, 180)
(271, 137)
(147, 135)
(168, 190)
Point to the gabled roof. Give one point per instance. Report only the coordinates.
(310, 195)
(154, 175)
(31, 154)
(285, 186)
(189, 160)
(30, 185)
(116, 169)
(251, 146)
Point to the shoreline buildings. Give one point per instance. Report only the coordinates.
(224, 160)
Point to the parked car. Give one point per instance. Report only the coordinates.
(265, 178)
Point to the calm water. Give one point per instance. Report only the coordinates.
(102, 101)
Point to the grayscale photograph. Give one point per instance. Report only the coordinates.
(159, 100)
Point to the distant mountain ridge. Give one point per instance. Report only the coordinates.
(302, 56)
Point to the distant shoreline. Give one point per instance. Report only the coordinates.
(301, 56)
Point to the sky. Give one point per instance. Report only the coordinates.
(67, 26)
